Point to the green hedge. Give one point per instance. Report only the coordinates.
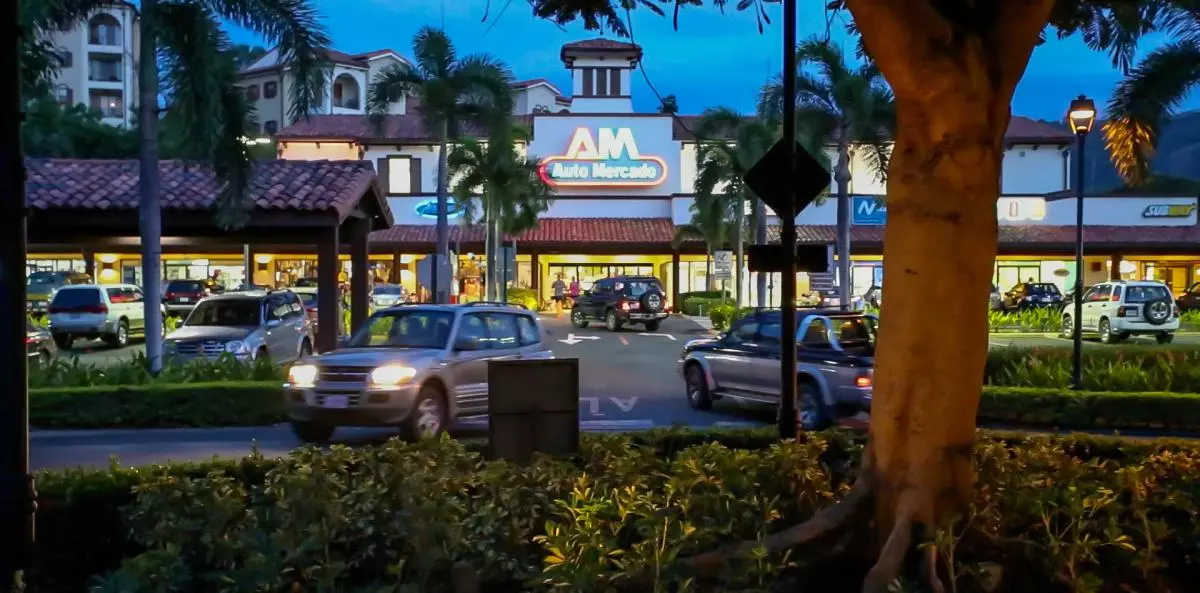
(261, 403)
(1057, 513)
(1127, 368)
(249, 403)
(135, 370)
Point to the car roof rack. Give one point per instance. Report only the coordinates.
(494, 304)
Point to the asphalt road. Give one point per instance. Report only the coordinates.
(629, 381)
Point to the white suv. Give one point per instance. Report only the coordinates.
(111, 312)
(1117, 310)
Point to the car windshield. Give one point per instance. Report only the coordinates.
(226, 313)
(308, 299)
(1043, 289)
(1145, 294)
(46, 278)
(185, 286)
(306, 282)
(855, 331)
(389, 290)
(405, 329)
(638, 288)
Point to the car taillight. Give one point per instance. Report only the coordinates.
(624, 306)
(31, 339)
(1127, 312)
(169, 295)
(863, 381)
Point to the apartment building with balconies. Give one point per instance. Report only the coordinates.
(98, 59)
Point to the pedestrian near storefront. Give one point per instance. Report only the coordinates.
(559, 288)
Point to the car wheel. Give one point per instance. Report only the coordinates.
(120, 339)
(1068, 327)
(577, 318)
(428, 417)
(1164, 337)
(262, 354)
(63, 341)
(313, 432)
(611, 322)
(305, 350)
(1106, 335)
(697, 388)
(652, 326)
(811, 407)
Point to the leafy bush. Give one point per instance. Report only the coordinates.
(1041, 319)
(1128, 368)
(1189, 320)
(158, 405)
(700, 306)
(523, 296)
(136, 371)
(722, 314)
(1058, 513)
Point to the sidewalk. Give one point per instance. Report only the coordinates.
(703, 322)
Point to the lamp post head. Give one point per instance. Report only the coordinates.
(1082, 115)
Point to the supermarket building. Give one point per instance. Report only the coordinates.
(625, 183)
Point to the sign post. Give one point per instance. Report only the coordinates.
(802, 180)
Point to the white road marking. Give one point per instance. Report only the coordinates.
(593, 404)
(669, 336)
(625, 403)
(573, 339)
(998, 344)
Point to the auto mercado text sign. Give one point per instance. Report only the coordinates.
(603, 157)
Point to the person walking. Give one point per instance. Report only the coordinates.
(559, 288)
(573, 290)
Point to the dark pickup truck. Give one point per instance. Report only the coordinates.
(622, 300)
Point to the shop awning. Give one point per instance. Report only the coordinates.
(582, 235)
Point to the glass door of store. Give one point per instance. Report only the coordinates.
(589, 274)
(1010, 274)
(1177, 276)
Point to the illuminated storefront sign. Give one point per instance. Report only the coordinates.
(428, 209)
(1169, 211)
(610, 159)
(1021, 209)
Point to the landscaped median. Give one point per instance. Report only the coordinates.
(257, 403)
(1049, 513)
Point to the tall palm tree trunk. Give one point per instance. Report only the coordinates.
(843, 218)
(442, 251)
(149, 206)
(760, 238)
(739, 250)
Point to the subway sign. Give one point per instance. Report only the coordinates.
(610, 158)
(1169, 211)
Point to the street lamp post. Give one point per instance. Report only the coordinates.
(1082, 116)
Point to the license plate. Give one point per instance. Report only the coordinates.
(185, 300)
(76, 315)
(337, 401)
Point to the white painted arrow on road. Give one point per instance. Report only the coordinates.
(669, 336)
(625, 403)
(573, 339)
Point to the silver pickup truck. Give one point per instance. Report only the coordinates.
(415, 367)
(835, 364)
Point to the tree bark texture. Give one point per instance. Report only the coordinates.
(149, 190)
(953, 84)
(842, 177)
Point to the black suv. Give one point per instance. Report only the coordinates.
(620, 300)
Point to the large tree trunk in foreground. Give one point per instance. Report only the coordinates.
(953, 86)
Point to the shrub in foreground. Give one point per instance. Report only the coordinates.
(135, 370)
(1127, 368)
(1057, 514)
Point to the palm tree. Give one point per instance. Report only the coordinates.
(508, 188)
(711, 222)
(199, 74)
(1150, 93)
(721, 165)
(454, 93)
(852, 106)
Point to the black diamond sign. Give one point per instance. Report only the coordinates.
(768, 178)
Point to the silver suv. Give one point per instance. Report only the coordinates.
(835, 364)
(417, 367)
(247, 325)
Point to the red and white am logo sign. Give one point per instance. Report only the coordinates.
(610, 158)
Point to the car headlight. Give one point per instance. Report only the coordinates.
(303, 375)
(392, 374)
(237, 347)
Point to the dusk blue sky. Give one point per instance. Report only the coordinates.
(712, 60)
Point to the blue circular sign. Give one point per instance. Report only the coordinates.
(428, 209)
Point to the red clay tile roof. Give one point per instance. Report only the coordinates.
(549, 231)
(407, 127)
(378, 52)
(1023, 235)
(78, 184)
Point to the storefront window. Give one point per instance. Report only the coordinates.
(1009, 275)
(864, 276)
(54, 265)
(524, 275)
(693, 276)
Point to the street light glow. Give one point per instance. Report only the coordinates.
(1081, 115)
